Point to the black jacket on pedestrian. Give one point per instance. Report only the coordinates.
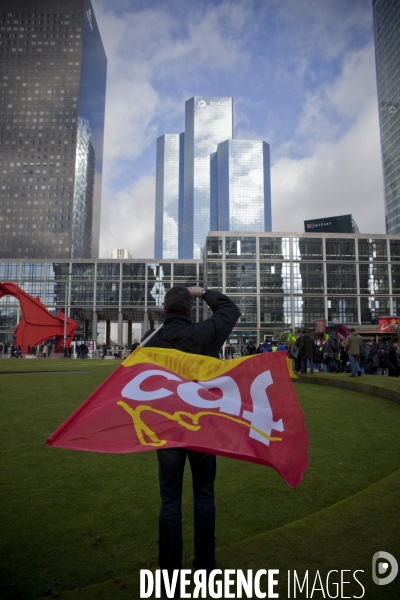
(205, 337)
(307, 347)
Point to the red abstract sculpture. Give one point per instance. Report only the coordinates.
(37, 324)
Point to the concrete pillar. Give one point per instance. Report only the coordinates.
(145, 322)
(94, 329)
(120, 328)
(129, 333)
(108, 332)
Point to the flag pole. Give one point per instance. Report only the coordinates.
(151, 335)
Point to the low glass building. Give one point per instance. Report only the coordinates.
(280, 281)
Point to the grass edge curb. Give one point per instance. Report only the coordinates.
(355, 386)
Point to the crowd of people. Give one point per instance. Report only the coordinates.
(41, 351)
(350, 355)
(333, 355)
(44, 350)
(309, 353)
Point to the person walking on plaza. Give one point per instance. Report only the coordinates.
(307, 349)
(204, 338)
(353, 345)
(331, 349)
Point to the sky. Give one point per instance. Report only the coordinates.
(302, 77)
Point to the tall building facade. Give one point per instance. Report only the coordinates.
(52, 101)
(387, 51)
(168, 193)
(241, 186)
(208, 121)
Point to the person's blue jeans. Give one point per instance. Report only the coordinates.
(304, 365)
(171, 464)
(355, 367)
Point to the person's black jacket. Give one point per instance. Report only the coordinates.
(206, 337)
(307, 347)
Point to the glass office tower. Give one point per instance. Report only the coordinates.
(208, 121)
(52, 101)
(387, 52)
(241, 186)
(169, 152)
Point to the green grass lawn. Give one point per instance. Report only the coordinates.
(77, 524)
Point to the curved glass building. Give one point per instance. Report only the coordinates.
(208, 121)
(387, 51)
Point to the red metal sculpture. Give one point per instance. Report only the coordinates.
(37, 324)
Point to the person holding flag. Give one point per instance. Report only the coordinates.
(173, 395)
(204, 338)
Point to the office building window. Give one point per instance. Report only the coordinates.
(275, 247)
(275, 310)
(214, 247)
(241, 247)
(372, 250)
(214, 275)
(340, 249)
(372, 308)
(241, 277)
(374, 279)
(341, 278)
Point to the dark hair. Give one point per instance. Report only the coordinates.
(352, 329)
(178, 300)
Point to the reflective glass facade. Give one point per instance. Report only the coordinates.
(208, 121)
(281, 282)
(387, 53)
(52, 100)
(99, 291)
(169, 152)
(301, 278)
(241, 186)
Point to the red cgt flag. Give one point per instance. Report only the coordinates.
(244, 408)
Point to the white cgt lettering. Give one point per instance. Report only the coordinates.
(229, 403)
(261, 417)
(132, 389)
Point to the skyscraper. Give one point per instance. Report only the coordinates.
(241, 186)
(207, 181)
(208, 121)
(387, 51)
(169, 158)
(52, 100)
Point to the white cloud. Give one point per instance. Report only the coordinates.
(127, 219)
(338, 178)
(341, 173)
(328, 111)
